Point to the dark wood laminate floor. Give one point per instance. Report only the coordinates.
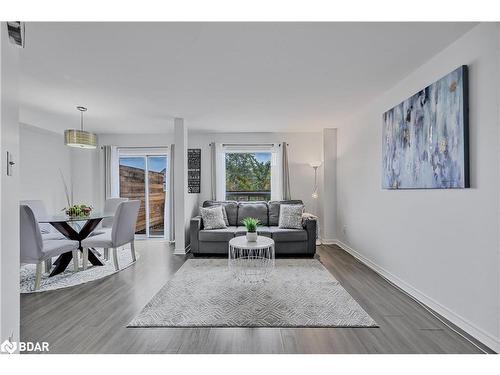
(92, 318)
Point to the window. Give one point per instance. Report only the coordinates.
(247, 172)
(248, 176)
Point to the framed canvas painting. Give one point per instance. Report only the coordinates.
(425, 138)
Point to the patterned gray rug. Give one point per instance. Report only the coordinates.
(298, 293)
(68, 278)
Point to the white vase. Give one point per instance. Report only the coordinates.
(251, 236)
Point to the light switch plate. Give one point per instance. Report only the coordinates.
(10, 164)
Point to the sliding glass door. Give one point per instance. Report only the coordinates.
(143, 176)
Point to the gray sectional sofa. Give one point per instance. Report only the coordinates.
(287, 241)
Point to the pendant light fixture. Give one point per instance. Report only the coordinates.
(80, 138)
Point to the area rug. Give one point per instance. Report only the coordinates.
(68, 278)
(298, 293)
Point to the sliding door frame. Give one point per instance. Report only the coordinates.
(145, 153)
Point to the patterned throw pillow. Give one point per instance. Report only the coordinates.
(291, 216)
(212, 217)
(223, 212)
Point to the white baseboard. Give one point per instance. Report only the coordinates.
(476, 332)
(182, 251)
(327, 241)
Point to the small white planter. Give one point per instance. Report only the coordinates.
(251, 237)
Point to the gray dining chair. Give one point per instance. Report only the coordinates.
(35, 250)
(122, 232)
(110, 206)
(39, 210)
(47, 230)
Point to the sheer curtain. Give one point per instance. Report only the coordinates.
(213, 171)
(285, 172)
(217, 172)
(110, 160)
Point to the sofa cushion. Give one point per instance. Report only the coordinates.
(261, 231)
(264, 231)
(231, 210)
(257, 210)
(213, 217)
(274, 210)
(288, 235)
(217, 235)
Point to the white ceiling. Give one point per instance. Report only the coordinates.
(135, 77)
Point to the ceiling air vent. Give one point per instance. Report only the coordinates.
(16, 33)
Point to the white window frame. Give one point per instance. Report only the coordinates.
(223, 149)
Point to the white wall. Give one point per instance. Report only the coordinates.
(85, 176)
(441, 245)
(87, 165)
(42, 155)
(304, 148)
(9, 189)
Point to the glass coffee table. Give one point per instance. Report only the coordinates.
(251, 261)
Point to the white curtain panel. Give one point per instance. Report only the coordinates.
(285, 172)
(276, 173)
(220, 172)
(111, 172)
(213, 171)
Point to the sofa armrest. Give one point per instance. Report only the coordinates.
(310, 224)
(196, 224)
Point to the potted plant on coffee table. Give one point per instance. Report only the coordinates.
(251, 224)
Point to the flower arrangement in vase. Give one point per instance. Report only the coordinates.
(78, 210)
(251, 225)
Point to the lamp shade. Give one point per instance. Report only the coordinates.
(80, 138)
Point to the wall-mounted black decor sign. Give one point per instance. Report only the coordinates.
(194, 170)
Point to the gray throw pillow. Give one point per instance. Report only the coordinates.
(291, 216)
(223, 212)
(213, 217)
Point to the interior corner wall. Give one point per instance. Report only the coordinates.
(43, 156)
(329, 222)
(304, 148)
(442, 246)
(85, 176)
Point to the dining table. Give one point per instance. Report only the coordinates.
(75, 228)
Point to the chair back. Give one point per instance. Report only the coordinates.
(39, 210)
(110, 206)
(31, 238)
(123, 229)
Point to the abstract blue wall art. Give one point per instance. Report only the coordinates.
(425, 138)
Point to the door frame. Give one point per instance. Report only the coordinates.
(145, 152)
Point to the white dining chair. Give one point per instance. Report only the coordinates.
(39, 210)
(122, 232)
(35, 250)
(110, 206)
(47, 230)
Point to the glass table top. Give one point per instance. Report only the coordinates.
(58, 218)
